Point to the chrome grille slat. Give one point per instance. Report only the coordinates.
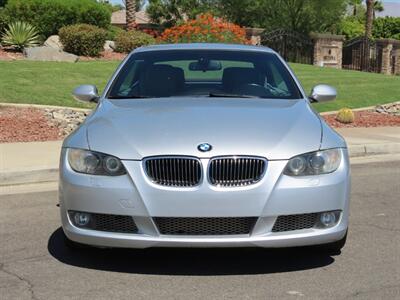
(205, 226)
(173, 171)
(236, 171)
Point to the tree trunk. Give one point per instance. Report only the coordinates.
(130, 14)
(370, 18)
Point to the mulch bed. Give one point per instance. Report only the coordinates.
(365, 119)
(31, 124)
(25, 125)
(105, 55)
(10, 55)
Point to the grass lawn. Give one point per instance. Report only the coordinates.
(51, 83)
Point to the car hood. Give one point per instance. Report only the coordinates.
(134, 129)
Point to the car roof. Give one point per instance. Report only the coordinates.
(204, 46)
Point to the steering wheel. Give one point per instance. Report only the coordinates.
(253, 89)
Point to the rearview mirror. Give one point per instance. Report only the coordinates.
(86, 93)
(205, 65)
(323, 93)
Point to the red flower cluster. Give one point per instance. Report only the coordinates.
(205, 28)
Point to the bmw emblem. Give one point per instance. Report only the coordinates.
(204, 147)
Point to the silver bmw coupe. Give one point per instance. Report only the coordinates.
(204, 145)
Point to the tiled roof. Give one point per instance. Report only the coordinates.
(119, 17)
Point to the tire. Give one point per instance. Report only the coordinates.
(74, 245)
(335, 247)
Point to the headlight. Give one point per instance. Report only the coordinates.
(314, 163)
(95, 163)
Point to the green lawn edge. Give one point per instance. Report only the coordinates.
(51, 83)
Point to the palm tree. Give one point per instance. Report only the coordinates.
(378, 7)
(130, 6)
(370, 16)
(355, 4)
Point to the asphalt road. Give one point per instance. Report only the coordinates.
(34, 264)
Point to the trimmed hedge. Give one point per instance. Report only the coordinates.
(113, 31)
(48, 16)
(387, 27)
(83, 39)
(127, 41)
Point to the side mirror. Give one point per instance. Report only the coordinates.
(323, 93)
(86, 93)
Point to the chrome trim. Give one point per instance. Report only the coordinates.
(236, 157)
(161, 157)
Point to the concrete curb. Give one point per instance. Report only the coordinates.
(50, 174)
(374, 149)
(22, 105)
(26, 176)
(334, 112)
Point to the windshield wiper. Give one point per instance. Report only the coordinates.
(223, 95)
(128, 97)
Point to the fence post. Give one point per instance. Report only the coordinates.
(328, 50)
(387, 46)
(395, 57)
(254, 35)
(397, 62)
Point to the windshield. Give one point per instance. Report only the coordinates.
(208, 73)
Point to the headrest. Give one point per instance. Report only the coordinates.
(236, 76)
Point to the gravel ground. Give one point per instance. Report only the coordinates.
(26, 125)
(366, 119)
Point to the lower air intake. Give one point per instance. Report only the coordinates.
(205, 226)
(295, 222)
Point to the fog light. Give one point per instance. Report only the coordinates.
(328, 219)
(81, 219)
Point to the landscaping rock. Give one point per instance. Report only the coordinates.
(389, 109)
(54, 42)
(67, 120)
(49, 54)
(109, 46)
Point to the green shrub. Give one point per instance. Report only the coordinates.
(387, 27)
(48, 16)
(351, 27)
(396, 36)
(127, 41)
(20, 35)
(3, 21)
(83, 39)
(113, 31)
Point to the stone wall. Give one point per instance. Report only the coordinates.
(254, 35)
(328, 50)
(387, 47)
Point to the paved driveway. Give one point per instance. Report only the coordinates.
(34, 264)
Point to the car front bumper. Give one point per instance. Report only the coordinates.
(135, 195)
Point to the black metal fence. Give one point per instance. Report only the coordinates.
(292, 46)
(362, 54)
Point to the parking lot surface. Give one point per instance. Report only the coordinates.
(34, 263)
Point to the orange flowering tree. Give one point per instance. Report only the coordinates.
(207, 29)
